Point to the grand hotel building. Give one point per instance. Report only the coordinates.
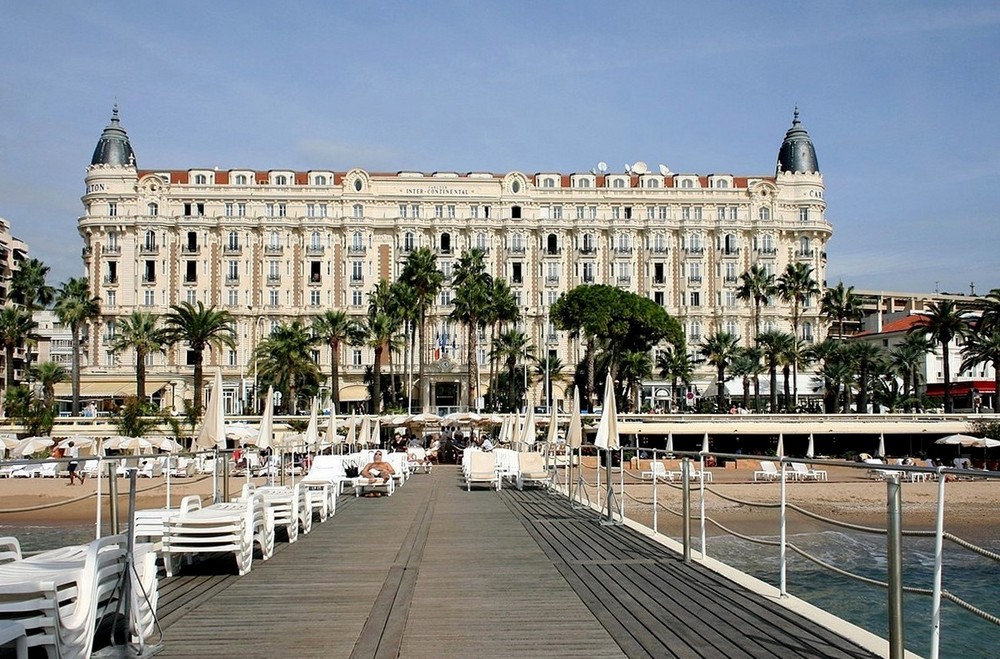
(273, 245)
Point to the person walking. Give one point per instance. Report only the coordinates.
(73, 452)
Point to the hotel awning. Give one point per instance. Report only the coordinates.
(109, 388)
(355, 392)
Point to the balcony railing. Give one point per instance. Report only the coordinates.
(112, 249)
(552, 281)
(658, 250)
(587, 250)
(232, 279)
(694, 250)
(357, 279)
(731, 279)
(149, 249)
(768, 251)
(553, 252)
(359, 250)
(232, 250)
(315, 279)
(623, 250)
(110, 279)
(273, 279)
(624, 279)
(694, 279)
(190, 279)
(190, 249)
(805, 253)
(315, 250)
(273, 250)
(517, 249)
(732, 251)
(659, 281)
(149, 279)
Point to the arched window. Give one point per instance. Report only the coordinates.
(729, 244)
(200, 179)
(694, 241)
(516, 243)
(618, 183)
(652, 183)
(548, 183)
(240, 179)
(446, 243)
(149, 240)
(764, 214)
(804, 246)
(274, 239)
(731, 327)
(722, 183)
(281, 179)
(515, 211)
(357, 240)
(320, 180)
(552, 244)
(408, 242)
(623, 242)
(583, 183)
(767, 243)
(359, 211)
(588, 243)
(695, 331)
(687, 183)
(314, 240)
(481, 242)
(807, 332)
(233, 240)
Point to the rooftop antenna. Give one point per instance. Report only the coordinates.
(628, 168)
(664, 170)
(640, 167)
(972, 288)
(602, 167)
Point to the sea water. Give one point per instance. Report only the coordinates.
(971, 577)
(36, 538)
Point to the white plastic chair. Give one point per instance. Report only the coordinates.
(659, 471)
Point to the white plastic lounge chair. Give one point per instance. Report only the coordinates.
(364, 485)
(151, 468)
(48, 469)
(768, 472)
(27, 471)
(12, 631)
(802, 471)
(10, 549)
(482, 470)
(693, 474)
(659, 471)
(324, 482)
(222, 527)
(532, 470)
(291, 508)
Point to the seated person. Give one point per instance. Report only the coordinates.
(378, 469)
(433, 449)
(486, 444)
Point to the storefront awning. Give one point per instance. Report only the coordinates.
(355, 392)
(110, 388)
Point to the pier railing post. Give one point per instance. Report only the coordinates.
(938, 567)
(113, 496)
(783, 546)
(686, 507)
(656, 477)
(894, 551)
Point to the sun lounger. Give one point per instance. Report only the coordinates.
(59, 596)
(693, 474)
(223, 527)
(291, 508)
(768, 472)
(27, 471)
(659, 471)
(10, 549)
(532, 470)
(802, 472)
(325, 481)
(151, 468)
(12, 631)
(482, 470)
(364, 485)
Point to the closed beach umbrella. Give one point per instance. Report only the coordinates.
(881, 446)
(265, 433)
(574, 433)
(781, 445)
(134, 444)
(607, 431)
(213, 427)
(553, 435)
(704, 444)
(670, 442)
(364, 434)
(311, 436)
(811, 451)
(528, 432)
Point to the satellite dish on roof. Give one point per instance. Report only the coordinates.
(593, 171)
(628, 168)
(602, 167)
(664, 170)
(640, 168)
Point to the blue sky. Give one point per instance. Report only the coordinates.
(901, 99)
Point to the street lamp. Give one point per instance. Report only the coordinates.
(254, 339)
(548, 386)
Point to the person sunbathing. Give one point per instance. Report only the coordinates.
(378, 469)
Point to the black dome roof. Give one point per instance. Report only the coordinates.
(797, 154)
(114, 148)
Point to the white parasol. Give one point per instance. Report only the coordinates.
(574, 433)
(704, 444)
(670, 443)
(607, 431)
(212, 433)
(311, 436)
(528, 436)
(265, 433)
(553, 435)
(811, 451)
(881, 446)
(30, 445)
(781, 445)
(134, 444)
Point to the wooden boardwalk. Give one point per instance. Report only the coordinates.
(435, 571)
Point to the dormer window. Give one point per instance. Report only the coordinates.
(281, 179)
(240, 179)
(548, 183)
(200, 179)
(319, 180)
(687, 183)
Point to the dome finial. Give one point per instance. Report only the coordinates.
(114, 148)
(795, 116)
(114, 113)
(797, 154)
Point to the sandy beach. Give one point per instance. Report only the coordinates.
(847, 496)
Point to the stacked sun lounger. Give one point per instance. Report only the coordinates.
(222, 527)
(292, 511)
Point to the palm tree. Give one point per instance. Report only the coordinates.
(501, 312)
(200, 327)
(140, 332)
(675, 364)
(773, 344)
(75, 307)
(830, 354)
(404, 307)
(378, 330)
(746, 365)
(472, 285)
(335, 328)
(796, 285)
(284, 359)
(720, 349)
(420, 272)
(16, 328)
(794, 355)
(48, 375)
(634, 367)
(28, 287)
(757, 286)
(841, 304)
(554, 367)
(984, 348)
(944, 323)
(512, 347)
(905, 359)
(867, 359)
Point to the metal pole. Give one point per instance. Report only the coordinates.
(100, 465)
(894, 552)
(782, 551)
(938, 559)
(548, 389)
(621, 488)
(113, 497)
(609, 496)
(656, 477)
(129, 552)
(701, 487)
(686, 507)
